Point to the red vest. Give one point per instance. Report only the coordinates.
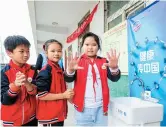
(53, 111)
(80, 84)
(24, 109)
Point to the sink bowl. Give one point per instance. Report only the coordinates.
(132, 110)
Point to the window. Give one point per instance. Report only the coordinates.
(134, 10)
(114, 6)
(118, 11)
(115, 22)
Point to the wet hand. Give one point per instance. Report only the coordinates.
(105, 114)
(73, 64)
(112, 59)
(20, 79)
(68, 94)
(70, 100)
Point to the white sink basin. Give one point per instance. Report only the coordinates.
(133, 110)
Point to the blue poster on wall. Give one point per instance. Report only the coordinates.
(147, 53)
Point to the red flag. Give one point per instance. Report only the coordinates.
(80, 29)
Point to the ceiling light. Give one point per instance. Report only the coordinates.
(54, 23)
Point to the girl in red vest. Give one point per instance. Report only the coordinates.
(52, 93)
(90, 73)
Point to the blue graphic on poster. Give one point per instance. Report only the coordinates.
(147, 53)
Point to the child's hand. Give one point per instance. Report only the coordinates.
(70, 100)
(26, 83)
(73, 64)
(68, 94)
(105, 113)
(113, 59)
(20, 79)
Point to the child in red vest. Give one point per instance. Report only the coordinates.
(52, 93)
(18, 92)
(90, 73)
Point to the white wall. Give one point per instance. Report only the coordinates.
(44, 36)
(96, 26)
(32, 14)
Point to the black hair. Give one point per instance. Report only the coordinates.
(96, 38)
(48, 42)
(11, 42)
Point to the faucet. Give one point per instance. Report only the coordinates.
(146, 94)
(140, 84)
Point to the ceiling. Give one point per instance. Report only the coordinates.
(56, 19)
(64, 14)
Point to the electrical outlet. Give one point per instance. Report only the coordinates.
(147, 95)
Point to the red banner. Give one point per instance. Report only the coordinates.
(80, 29)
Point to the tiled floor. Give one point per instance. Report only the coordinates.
(70, 120)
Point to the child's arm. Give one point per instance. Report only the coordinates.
(31, 88)
(69, 77)
(50, 96)
(113, 75)
(29, 83)
(43, 82)
(8, 95)
(70, 73)
(113, 72)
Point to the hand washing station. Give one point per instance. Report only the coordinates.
(134, 111)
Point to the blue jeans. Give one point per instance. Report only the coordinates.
(91, 117)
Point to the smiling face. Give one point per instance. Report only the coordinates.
(54, 52)
(19, 55)
(90, 47)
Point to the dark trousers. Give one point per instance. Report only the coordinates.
(34, 122)
(54, 124)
